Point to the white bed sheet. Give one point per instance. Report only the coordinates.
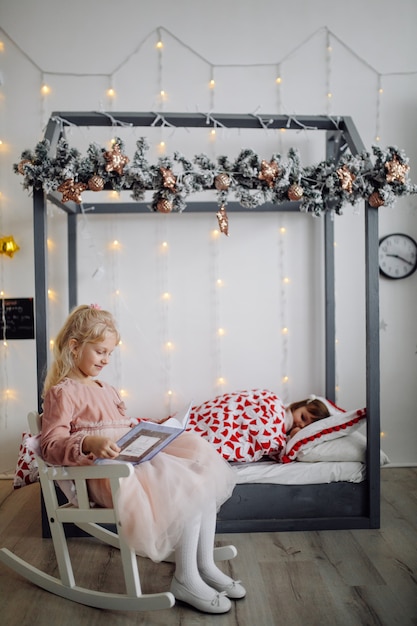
(298, 473)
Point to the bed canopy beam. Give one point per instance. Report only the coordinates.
(341, 134)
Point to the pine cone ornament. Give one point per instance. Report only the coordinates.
(295, 192)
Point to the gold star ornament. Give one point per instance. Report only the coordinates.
(346, 178)
(116, 161)
(8, 246)
(71, 190)
(223, 220)
(397, 171)
(169, 179)
(269, 172)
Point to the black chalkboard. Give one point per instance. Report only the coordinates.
(16, 318)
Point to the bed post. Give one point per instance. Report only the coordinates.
(372, 364)
(41, 293)
(72, 259)
(333, 151)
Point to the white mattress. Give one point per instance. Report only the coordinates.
(298, 473)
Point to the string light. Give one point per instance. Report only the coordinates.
(164, 311)
(282, 230)
(380, 91)
(278, 82)
(328, 71)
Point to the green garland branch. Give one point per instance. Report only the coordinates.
(253, 181)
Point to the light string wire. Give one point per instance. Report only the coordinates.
(283, 310)
(329, 33)
(216, 285)
(165, 296)
(115, 290)
(328, 67)
(4, 344)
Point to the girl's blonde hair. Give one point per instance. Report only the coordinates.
(85, 324)
(316, 408)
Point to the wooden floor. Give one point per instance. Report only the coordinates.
(328, 578)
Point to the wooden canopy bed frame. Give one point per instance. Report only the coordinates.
(253, 507)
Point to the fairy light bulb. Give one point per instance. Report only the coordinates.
(221, 381)
(221, 332)
(285, 379)
(111, 93)
(284, 331)
(45, 89)
(166, 296)
(164, 246)
(213, 132)
(282, 230)
(219, 282)
(169, 345)
(278, 80)
(159, 45)
(286, 280)
(212, 83)
(1, 46)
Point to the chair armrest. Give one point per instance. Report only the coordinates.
(104, 470)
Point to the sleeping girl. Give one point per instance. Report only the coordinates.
(248, 425)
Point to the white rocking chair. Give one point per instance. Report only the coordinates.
(88, 518)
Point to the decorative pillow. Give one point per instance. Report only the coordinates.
(26, 471)
(333, 427)
(243, 426)
(349, 448)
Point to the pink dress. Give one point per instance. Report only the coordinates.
(163, 493)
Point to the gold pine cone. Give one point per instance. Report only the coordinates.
(375, 200)
(96, 183)
(222, 182)
(295, 192)
(164, 206)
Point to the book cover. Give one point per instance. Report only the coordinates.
(146, 439)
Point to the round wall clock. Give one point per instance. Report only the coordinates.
(397, 256)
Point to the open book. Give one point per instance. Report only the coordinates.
(146, 439)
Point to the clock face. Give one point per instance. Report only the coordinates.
(397, 255)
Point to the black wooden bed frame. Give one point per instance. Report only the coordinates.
(252, 507)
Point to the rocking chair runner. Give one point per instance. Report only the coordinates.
(88, 518)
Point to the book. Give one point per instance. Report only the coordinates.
(146, 439)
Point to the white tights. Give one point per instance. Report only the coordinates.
(194, 555)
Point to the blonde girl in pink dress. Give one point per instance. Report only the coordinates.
(170, 502)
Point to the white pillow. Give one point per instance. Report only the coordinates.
(349, 448)
(333, 427)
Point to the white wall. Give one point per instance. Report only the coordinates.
(77, 48)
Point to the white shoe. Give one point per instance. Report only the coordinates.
(234, 590)
(219, 603)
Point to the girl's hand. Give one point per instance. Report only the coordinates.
(293, 431)
(100, 447)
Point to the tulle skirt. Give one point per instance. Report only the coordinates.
(167, 492)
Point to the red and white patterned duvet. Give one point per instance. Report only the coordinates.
(243, 426)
